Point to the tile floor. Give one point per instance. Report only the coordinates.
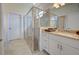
(20, 47)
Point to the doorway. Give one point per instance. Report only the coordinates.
(13, 33)
(14, 26)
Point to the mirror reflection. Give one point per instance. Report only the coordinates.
(64, 18)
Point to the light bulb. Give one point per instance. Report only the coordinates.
(56, 5)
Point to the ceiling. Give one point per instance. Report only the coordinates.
(46, 6)
(43, 6)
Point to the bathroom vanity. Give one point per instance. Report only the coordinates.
(59, 43)
(62, 41)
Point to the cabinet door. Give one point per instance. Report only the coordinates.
(44, 41)
(41, 42)
(68, 50)
(54, 47)
(45, 45)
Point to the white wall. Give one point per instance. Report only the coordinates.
(71, 12)
(21, 9)
(18, 8)
(0, 22)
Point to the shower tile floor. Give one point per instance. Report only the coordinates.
(20, 47)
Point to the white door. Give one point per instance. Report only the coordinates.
(14, 26)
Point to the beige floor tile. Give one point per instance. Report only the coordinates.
(20, 47)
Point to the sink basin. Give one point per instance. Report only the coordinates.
(50, 29)
(72, 31)
(77, 32)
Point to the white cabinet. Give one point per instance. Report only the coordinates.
(58, 45)
(68, 50)
(44, 41)
(53, 47)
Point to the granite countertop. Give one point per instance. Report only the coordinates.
(64, 34)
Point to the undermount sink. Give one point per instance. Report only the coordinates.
(77, 32)
(50, 29)
(73, 31)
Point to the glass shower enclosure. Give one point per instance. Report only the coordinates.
(31, 23)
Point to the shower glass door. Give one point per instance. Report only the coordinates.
(28, 32)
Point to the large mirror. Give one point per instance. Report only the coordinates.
(45, 20)
(53, 21)
(48, 19)
(68, 16)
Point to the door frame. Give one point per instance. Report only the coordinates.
(20, 23)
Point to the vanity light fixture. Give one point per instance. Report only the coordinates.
(57, 5)
(62, 4)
